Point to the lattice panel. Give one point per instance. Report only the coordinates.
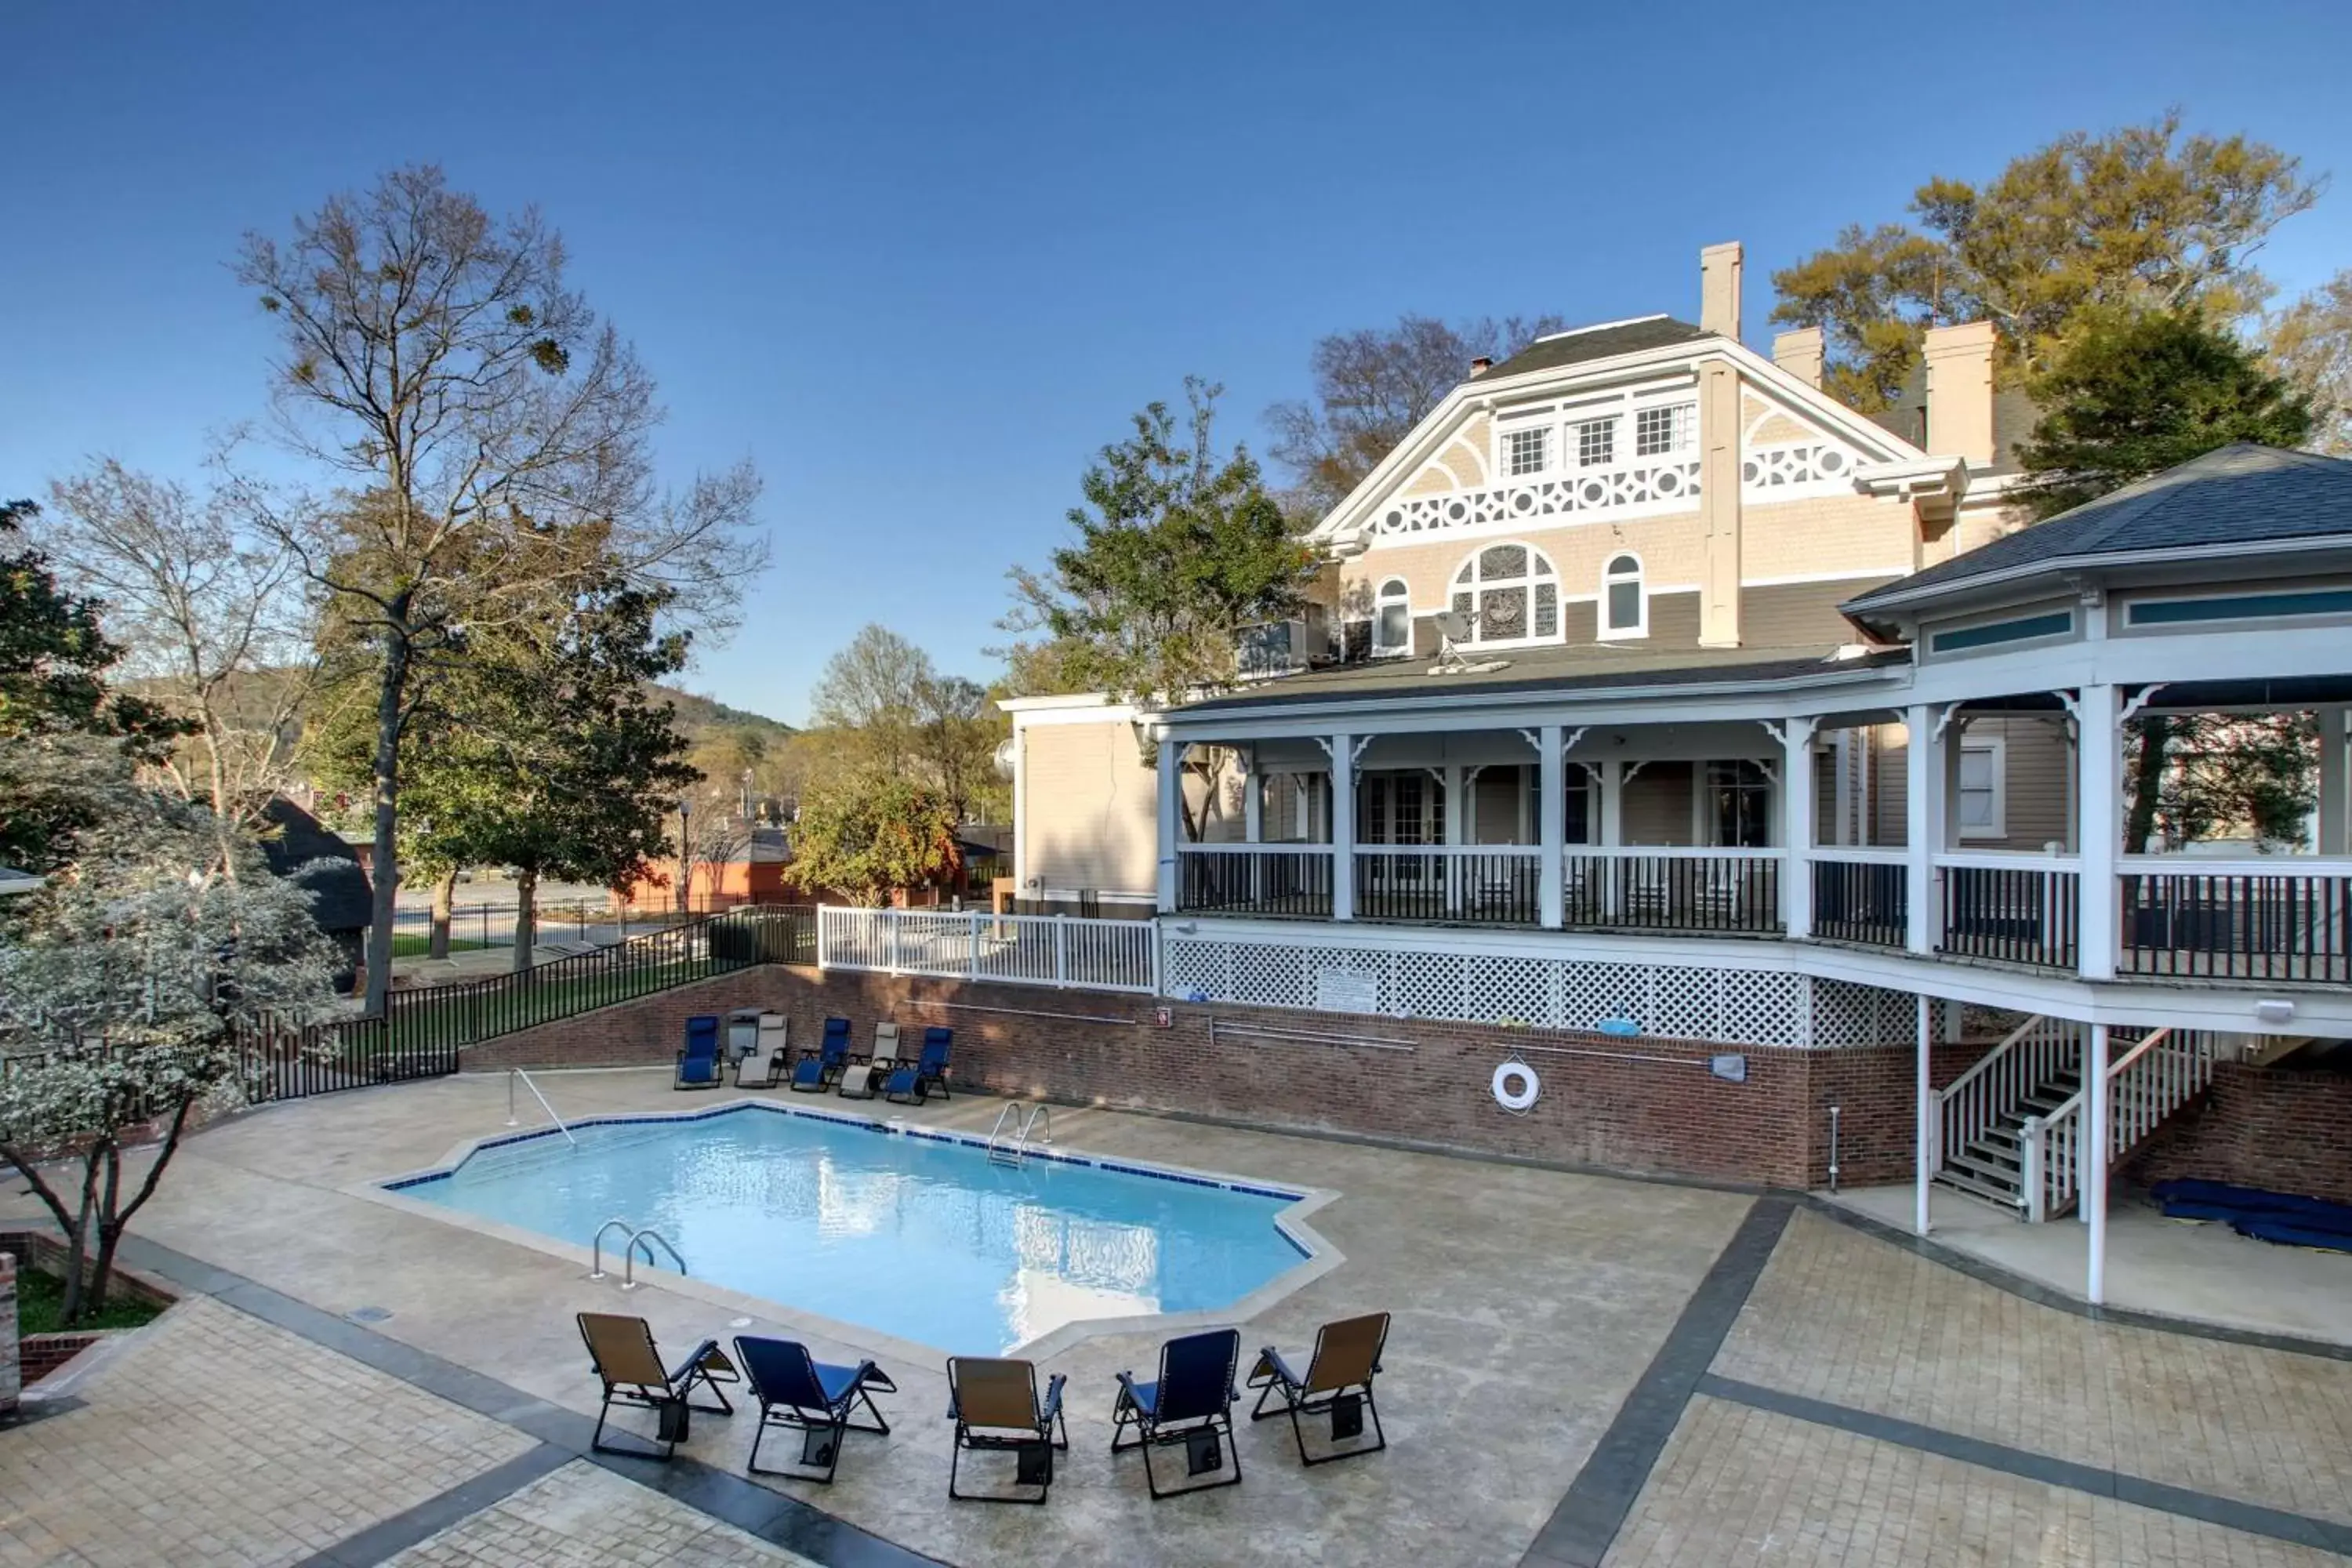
(1806, 463)
(1657, 485)
(1509, 990)
(1845, 1014)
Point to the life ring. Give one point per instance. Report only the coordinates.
(1519, 1099)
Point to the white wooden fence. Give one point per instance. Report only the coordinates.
(1019, 950)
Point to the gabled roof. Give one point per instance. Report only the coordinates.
(304, 850)
(1579, 345)
(2234, 496)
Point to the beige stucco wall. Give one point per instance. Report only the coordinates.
(1088, 808)
(1779, 428)
(1670, 547)
(1826, 534)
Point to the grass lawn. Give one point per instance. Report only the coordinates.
(40, 1298)
(414, 945)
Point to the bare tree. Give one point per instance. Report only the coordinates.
(876, 687)
(492, 437)
(217, 621)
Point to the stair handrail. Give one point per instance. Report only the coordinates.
(2062, 1168)
(514, 1073)
(596, 1247)
(645, 1238)
(1966, 1106)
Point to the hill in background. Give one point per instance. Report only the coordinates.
(701, 716)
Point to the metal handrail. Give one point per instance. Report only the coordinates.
(514, 1073)
(629, 1261)
(596, 1247)
(1016, 1143)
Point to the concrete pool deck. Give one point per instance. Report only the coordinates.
(1582, 1369)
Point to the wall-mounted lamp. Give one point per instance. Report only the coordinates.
(2276, 1010)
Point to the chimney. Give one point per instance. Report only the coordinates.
(1480, 366)
(1960, 391)
(1800, 353)
(1719, 288)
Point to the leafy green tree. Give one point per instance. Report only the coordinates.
(2311, 347)
(864, 834)
(1180, 546)
(2140, 219)
(1371, 387)
(55, 702)
(2130, 393)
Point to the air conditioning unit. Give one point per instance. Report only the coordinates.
(1283, 647)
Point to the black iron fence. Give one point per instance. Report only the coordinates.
(1497, 886)
(1862, 901)
(2017, 915)
(1718, 891)
(1254, 881)
(2238, 926)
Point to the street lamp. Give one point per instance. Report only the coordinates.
(684, 854)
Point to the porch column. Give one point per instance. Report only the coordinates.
(1551, 828)
(1924, 826)
(1252, 798)
(1454, 826)
(1171, 820)
(2098, 712)
(1925, 1158)
(1610, 782)
(2094, 1160)
(1797, 813)
(2334, 806)
(1342, 747)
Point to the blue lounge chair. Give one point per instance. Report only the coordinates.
(815, 1398)
(817, 1070)
(1190, 1406)
(995, 1408)
(698, 1064)
(927, 1074)
(1338, 1383)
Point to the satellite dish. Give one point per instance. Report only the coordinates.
(1453, 625)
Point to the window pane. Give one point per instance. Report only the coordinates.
(1624, 606)
(1502, 560)
(1976, 808)
(1503, 615)
(1524, 451)
(1547, 609)
(1624, 566)
(1596, 442)
(1579, 826)
(1976, 768)
(1395, 626)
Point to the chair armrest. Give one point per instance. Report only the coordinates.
(1272, 1368)
(1126, 1393)
(692, 1363)
(1052, 1405)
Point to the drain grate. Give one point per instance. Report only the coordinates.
(368, 1314)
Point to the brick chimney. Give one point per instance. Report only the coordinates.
(1719, 267)
(1960, 391)
(1800, 353)
(1480, 366)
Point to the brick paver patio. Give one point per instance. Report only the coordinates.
(582, 1517)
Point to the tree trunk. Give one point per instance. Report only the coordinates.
(526, 926)
(444, 897)
(384, 865)
(2148, 781)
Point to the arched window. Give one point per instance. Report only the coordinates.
(1511, 594)
(1624, 608)
(1392, 618)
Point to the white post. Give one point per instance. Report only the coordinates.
(1171, 820)
(1253, 822)
(2333, 805)
(1455, 828)
(1797, 813)
(1611, 782)
(973, 946)
(1061, 950)
(1551, 829)
(1343, 826)
(2099, 711)
(1924, 1171)
(1924, 827)
(2094, 1158)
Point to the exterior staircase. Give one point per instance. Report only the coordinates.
(2010, 1129)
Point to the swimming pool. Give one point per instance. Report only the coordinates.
(915, 1233)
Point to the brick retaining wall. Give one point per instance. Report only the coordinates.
(2275, 1128)
(1669, 1117)
(11, 1377)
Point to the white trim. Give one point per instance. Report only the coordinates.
(1998, 747)
(1528, 581)
(1846, 577)
(2061, 565)
(1602, 631)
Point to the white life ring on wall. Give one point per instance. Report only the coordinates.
(1515, 1087)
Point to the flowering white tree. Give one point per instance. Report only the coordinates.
(123, 987)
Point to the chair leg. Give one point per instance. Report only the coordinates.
(596, 1439)
(881, 1423)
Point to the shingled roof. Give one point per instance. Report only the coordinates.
(302, 847)
(1579, 345)
(2235, 495)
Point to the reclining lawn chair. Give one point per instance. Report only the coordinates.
(927, 1075)
(764, 1068)
(631, 1371)
(698, 1064)
(995, 1409)
(1338, 1383)
(1191, 1406)
(817, 1070)
(858, 1079)
(796, 1390)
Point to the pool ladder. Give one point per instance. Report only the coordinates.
(1017, 1127)
(638, 1236)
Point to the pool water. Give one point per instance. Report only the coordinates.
(919, 1236)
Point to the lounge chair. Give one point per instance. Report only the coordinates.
(927, 1075)
(631, 1371)
(698, 1064)
(1338, 1383)
(859, 1078)
(817, 1070)
(995, 1409)
(796, 1390)
(764, 1068)
(1189, 1405)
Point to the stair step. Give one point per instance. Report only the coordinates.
(1982, 1191)
(1990, 1172)
(1992, 1155)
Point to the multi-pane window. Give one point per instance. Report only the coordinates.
(1623, 613)
(1739, 799)
(1658, 431)
(1980, 791)
(1523, 450)
(1510, 594)
(1392, 618)
(1596, 442)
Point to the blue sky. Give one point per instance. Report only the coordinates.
(918, 261)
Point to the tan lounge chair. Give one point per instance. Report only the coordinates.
(630, 1368)
(1337, 1382)
(995, 1408)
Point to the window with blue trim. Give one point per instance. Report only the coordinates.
(2238, 608)
(2056, 623)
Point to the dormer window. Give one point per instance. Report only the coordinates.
(1525, 451)
(1596, 442)
(1624, 608)
(1658, 432)
(1392, 619)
